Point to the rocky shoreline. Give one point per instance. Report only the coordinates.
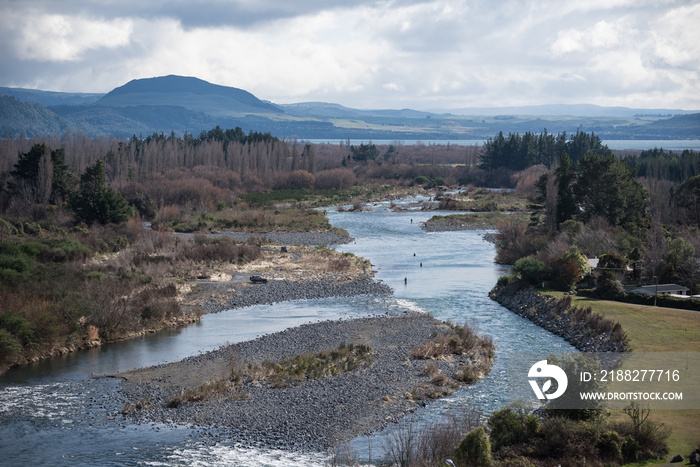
(556, 316)
(311, 415)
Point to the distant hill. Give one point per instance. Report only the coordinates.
(190, 93)
(47, 98)
(33, 119)
(579, 110)
(327, 110)
(681, 127)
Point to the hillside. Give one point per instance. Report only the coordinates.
(685, 125)
(190, 93)
(33, 119)
(47, 98)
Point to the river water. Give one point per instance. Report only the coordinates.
(53, 413)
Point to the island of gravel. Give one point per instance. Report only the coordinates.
(313, 414)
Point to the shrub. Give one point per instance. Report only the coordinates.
(610, 447)
(607, 286)
(299, 179)
(565, 273)
(11, 351)
(19, 264)
(505, 281)
(206, 392)
(63, 249)
(531, 270)
(567, 441)
(19, 327)
(475, 449)
(512, 424)
(339, 179)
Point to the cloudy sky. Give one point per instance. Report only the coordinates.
(422, 54)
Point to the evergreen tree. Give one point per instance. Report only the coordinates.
(44, 170)
(364, 152)
(96, 202)
(606, 187)
(566, 178)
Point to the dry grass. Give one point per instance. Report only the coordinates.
(413, 445)
(302, 367)
(210, 390)
(303, 263)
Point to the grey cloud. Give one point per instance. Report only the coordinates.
(194, 14)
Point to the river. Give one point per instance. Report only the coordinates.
(53, 413)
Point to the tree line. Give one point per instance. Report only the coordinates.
(516, 152)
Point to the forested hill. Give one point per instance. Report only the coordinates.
(679, 126)
(190, 93)
(33, 119)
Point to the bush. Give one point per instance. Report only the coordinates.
(475, 448)
(63, 249)
(339, 179)
(505, 281)
(19, 264)
(608, 287)
(19, 327)
(565, 273)
(531, 270)
(513, 424)
(10, 349)
(610, 447)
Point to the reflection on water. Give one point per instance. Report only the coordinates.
(56, 400)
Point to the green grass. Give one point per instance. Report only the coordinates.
(650, 329)
(657, 329)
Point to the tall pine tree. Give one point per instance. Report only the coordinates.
(96, 202)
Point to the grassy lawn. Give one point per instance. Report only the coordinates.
(650, 329)
(657, 329)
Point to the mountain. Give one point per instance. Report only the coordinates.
(186, 104)
(191, 93)
(47, 98)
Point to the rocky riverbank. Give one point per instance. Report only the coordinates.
(316, 414)
(281, 290)
(584, 330)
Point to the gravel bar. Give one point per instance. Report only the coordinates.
(292, 238)
(314, 415)
(275, 291)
